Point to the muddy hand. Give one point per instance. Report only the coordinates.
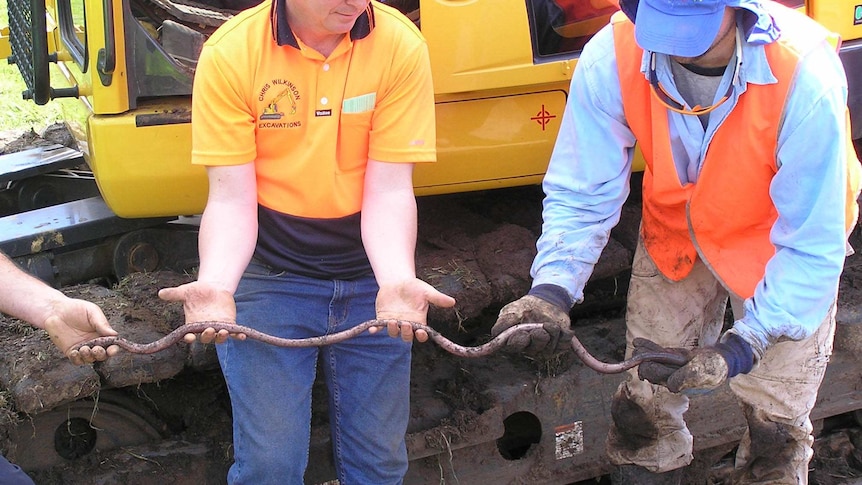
(71, 322)
(204, 302)
(408, 301)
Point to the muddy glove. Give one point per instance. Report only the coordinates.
(707, 367)
(544, 304)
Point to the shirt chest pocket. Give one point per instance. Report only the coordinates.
(354, 132)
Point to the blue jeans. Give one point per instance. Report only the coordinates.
(12, 474)
(368, 378)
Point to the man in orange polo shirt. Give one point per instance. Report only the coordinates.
(739, 108)
(309, 116)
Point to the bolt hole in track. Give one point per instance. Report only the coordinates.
(76, 430)
(521, 431)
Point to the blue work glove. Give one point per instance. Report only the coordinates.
(707, 367)
(548, 304)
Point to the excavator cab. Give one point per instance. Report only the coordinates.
(500, 89)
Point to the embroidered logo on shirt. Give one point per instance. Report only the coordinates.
(359, 104)
(280, 96)
(323, 112)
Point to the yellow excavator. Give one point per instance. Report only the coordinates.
(501, 71)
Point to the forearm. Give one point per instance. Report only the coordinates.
(25, 297)
(800, 282)
(588, 176)
(389, 234)
(389, 237)
(794, 298)
(228, 232)
(585, 188)
(226, 244)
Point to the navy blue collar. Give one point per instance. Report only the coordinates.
(282, 34)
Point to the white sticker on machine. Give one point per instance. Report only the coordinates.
(570, 440)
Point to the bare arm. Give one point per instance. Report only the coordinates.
(389, 236)
(389, 221)
(226, 242)
(68, 321)
(229, 225)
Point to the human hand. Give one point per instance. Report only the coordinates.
(707, 367)
(408, 301)
(72, 321)
(204, 302)
(532, 309)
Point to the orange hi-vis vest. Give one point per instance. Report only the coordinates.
(727, 215)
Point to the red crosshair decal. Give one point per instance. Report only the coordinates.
(543, 117)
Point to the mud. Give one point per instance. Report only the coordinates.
(483, 261)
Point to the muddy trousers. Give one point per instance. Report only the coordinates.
(776, 396)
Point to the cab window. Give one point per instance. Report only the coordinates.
(72, 29)
(564, 26)
(410, 8)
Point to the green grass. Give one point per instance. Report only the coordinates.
(18, 113)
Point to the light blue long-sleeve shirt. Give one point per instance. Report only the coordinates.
(588, 178)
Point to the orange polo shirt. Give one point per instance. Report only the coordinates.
(310, 123)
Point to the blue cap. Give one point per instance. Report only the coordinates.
(685, 28)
